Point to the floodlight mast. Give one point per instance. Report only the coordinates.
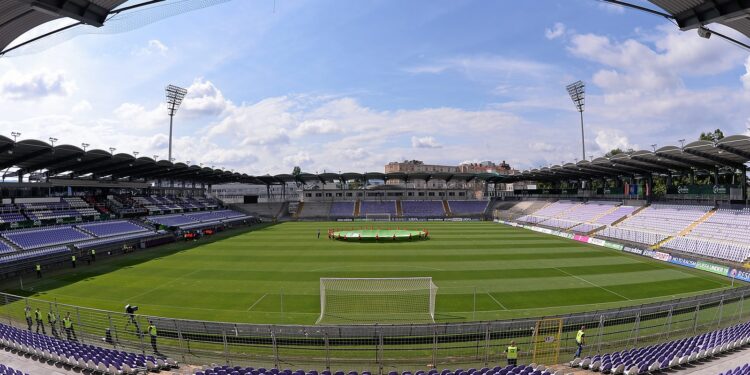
(175, 95)
(577, 92)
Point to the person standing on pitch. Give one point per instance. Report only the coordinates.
(38, 271)
(52, 320)
(152, 334)
(39, 321)
(93, 256)
(27, 314)
(318, 233)
(580, 341)
(73, 260)
(69, 331)
(512, 353)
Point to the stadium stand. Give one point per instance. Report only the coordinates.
(668, 355)
(656, 223)
(342, 209)
(33, 254)
(28, 239)
(467, 208)
(314, 210)
(111, 228)
(86, 357)
(515, 210)
(498, 370)
(724, 235)
(5, 370)
(377, 207)
(432, 209)
(739, 370)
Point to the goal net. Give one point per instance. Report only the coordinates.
(369, 301)
(378, 217)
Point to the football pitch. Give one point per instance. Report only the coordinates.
(271, 273)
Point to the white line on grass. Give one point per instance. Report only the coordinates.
(376, 265)
(496, 301)
(589, 282)
(257, 301)
(162, 285)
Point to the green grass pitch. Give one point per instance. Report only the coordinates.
(271, 274)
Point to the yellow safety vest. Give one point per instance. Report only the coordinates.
(73, 258)
(51, 317)
(512, 352)
(152, 330)
(38, 267)
(93, 252)
(27, 313)
(38, 315)
(67, 323)
(579, 337)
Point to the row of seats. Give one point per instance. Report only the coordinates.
(532, 369)
(192, 218)
(87, 357)
(5, 370)
(417, 208)
(739, 370)
(667, 355)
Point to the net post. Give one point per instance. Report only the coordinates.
(7, 310)
(226, 346)
(721, 312)
(599, 333)
(328, 350)
(434, 345)
(275, 348)
(112, 330)
(78, 323)
(669, 322)
(380, 351)
(695, 318)
(486, 344)
(739, 310)
(637, 327)
(179, 338)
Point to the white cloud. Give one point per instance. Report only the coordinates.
(153, 47)
(82, 106)
(611, 8)
(204, 99)
(608, 139)
(746, 77)
(18, 86)
(425, 142)
(138, 117)
(319, 126)
(555, 32)
(541, 147)
(482, 66)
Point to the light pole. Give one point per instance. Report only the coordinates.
(112, 151)
(84, 145)
(15, 135)
(577, 91)
(174, 99)
(52, 141)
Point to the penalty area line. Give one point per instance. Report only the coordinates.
(496, 301)
(256, 302)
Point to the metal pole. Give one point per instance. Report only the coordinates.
(583, 143)
(169, 159)
(474, 309)
(328, 351)
(78, 318)
(599, 334)
(226, 346)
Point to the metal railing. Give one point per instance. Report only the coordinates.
(381, 348)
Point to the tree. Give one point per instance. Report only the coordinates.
(613, 152)
(296, 171)
(711, 136)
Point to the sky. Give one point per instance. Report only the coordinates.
(334, 85)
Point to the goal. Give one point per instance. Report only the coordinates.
(382, 300)
(378, 217)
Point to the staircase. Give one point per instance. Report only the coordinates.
(299, 209)
(447, 208)
(620, 220)
(356, 208)
(697, 222)
(657, 245)
(399, 210)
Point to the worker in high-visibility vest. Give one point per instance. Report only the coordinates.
(73, 260)
(69, 331)
(93, 255)
(27, 315)
(39, 321)
(512, 353)
(52, 320)
(580, 341)
(152, 334)
(38, 271)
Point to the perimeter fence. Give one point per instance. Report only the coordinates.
(382, 348)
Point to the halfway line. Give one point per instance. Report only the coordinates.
(589, 282)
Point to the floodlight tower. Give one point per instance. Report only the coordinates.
(175, 95)
(577, 92)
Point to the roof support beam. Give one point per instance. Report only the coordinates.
(682, 160)
(720, 161)
(671, 166)
(50, 165)
(25, 157)
(734, 150)
(635, 165)
(710, 12)
(87, 13)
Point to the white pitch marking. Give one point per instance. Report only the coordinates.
(496, 301)
(589, 282)
(256, 302)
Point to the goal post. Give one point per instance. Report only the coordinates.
(377, 300)
(377, 217)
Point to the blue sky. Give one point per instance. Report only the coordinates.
(352, 85)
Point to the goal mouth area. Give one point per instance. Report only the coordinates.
(379, 235)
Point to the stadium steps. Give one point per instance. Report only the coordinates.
(447, 208)
(659, 244)
(300, 207)
(399, 210)
(697, 222)
(613, 209)
(565, 212)
(356, 208)
(620, 220)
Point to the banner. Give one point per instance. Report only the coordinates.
(580, 238)
(661, 256)
(699, 189)
(739, 275)
(710, 267)
(596, 241)
(632, 250)
(613, 245)
(649, 253)
(683, 262)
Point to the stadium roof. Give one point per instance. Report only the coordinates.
(67, 161)
(691, 14)
(19, 16)
(728, 153)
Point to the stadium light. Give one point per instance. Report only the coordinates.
(682, 143)
(52, 141)
(175, 95)
(84, 145)
(156, 157)
(15, 135)
(112, 150)
(577, 92)
(654, 147)
(135, 153)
